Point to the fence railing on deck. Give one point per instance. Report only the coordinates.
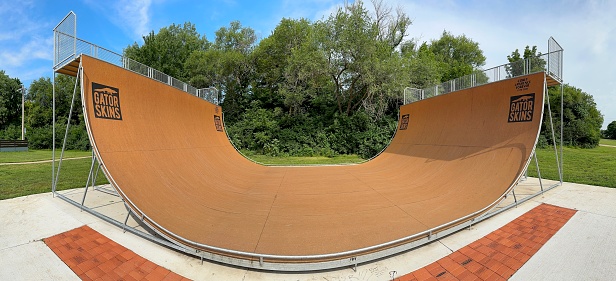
(551, 63)
(67, 47)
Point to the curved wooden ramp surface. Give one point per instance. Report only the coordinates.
(168, 156)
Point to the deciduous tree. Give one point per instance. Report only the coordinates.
(168, 50)
(457, 55)
(10, 100)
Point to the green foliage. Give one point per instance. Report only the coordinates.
(531, 62)
(610, 132)
(422, 65)
(272, 132)
(364, 66)
(582, 119)
(39, 115)
(10, 101)
(226, 65)
(168, 49)
(11, 132)
(457, 55)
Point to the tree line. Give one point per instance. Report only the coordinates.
(327, 87)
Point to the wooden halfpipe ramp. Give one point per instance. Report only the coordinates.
(167, 154)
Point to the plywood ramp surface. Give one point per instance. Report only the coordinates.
(172, 162)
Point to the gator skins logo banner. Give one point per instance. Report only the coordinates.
(217, 122)
(106, 101)
(404, 122)
(521, 108)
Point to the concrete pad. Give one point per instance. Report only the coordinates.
(33, 261)
(585, 244)
(584, 249)
(30, 218)
(588, 198)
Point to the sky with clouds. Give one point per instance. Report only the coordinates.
(586, 29)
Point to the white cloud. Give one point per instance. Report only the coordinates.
(35, 49)
(135, 14)
(133, 17)
(24, 40)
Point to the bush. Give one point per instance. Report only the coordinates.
(272, 132)
(11, 132)
(610, 133)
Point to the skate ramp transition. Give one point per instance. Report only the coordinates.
(452, 159)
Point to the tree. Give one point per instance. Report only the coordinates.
(392, 29)
(235, 38)
(289, 66)
(226, 65)
(610, 133)
(422, 65)
(362, 63)
(531, 62)
(10, 100)
(168, 50)
(39, 103)
(582, 119)
(457, 55)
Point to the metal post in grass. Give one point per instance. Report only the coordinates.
(53, 134)
(23, 97)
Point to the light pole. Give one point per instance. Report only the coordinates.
(23, 98)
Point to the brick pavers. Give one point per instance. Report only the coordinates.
(498, 255)
(93, 256)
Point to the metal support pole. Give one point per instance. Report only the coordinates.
(53, 138)
(98, 167)
(562, 124)
(126, 219)
(515, 198)
(68, 125)
(539, 172)
(90, 176)
(560, 174)
(23, 114)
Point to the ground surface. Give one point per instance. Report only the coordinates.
(586, 244)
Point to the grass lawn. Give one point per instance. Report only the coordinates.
(595, 166)
(21, 180)
(38, 155)
(608, 142)
(296, 160)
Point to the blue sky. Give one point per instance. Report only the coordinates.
(585, 29)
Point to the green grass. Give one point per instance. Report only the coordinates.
(21, 180)
(296, 160)
(608, 142)
(38, 155)
(595, 166)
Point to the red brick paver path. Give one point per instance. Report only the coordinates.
(93, 256)
(498, 255)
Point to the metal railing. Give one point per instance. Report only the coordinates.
(550, 62)
(67, 47)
